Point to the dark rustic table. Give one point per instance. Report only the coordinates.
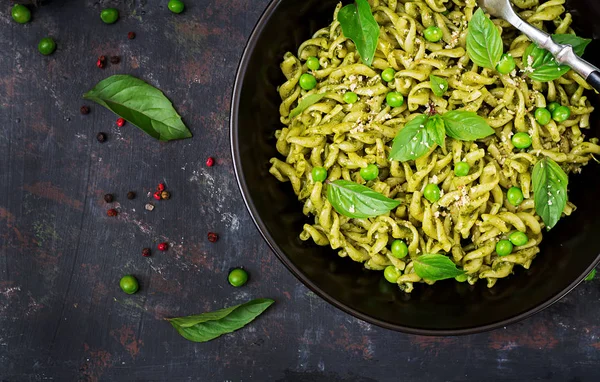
(62, 314)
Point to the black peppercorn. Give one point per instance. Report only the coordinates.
(131, 35)
(131, 195)
(108, 198)
(115, 60)
(85, 110)
(101, 137)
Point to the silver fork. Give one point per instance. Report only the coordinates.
(562, 53)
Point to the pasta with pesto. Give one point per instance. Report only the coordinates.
(472, 213)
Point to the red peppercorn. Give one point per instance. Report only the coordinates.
(131, 35)
(160, 187)
(101, 62)
(84, 110)
(210, 161)
(157, 195)
(163, 246)
(213, 237)
(146, 252)
(112, 212)
(120, 122)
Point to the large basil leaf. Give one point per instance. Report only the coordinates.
(439, 85)
(435, 267)
(412, 141)
(208, 326)
(484, 43)
(307, 101)
(466, 125)
(357, 201)
(435, 129)
(549, 191)
(141, 104)
(540, 65)
(359, 25)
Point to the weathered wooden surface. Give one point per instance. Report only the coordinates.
(62, 314)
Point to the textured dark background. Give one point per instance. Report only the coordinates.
(62, 314)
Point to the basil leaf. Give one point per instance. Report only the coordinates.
(484, 43)
(357, 201)
(549, 191)
(591, 275)
(435, 267)
(141, 104)
(359, 25)
(439, 85)
(208, 326)
(307, 101)
(466, 125)
(540, 65)
(435, 129)
(412, 141)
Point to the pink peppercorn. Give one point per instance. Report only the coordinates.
(163, 246)
(210, 161)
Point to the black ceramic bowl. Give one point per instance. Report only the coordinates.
(569, 252)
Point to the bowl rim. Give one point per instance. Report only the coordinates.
(241, 181)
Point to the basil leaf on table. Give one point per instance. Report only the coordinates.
(357, 201)
(208, 326)
(359, 25)
(540, 65)
(590, 276)
(466, 125)
(435, 267)
(436, 130)
(413, 141)
(140, 104)
(439, 85)
(484, 43)
(307, 101)
(549, 191)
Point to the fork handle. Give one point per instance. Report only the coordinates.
(594, 80)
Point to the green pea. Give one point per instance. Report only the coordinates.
(553, 106)
(521, 140)
(461, 278)
(237, 277)
(307, 81)
(504, 248)
(350, 97)
(507, 64)
(21, 13)
(47, 46)
(391, 274)
(399, 249)
(432, 192)
(394, 99)
(543, 116)
(319, 174)
(370, 172)
(461, 169)
(518, 238)
(176, 6)
(312, 63)
(129, 284)
(388, 74)
(514, 196)
(433, 34)
(561, 114)
(109, 15)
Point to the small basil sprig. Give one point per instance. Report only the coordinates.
(549, 191)
(140, 104)
(466, 125)
(418, 135)
(439, 85)
(307, 101)
(540, 65)
(359, 25)
(484, 43)
(357, 201)
(435, 267)
(591, 275)
(208, 326)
